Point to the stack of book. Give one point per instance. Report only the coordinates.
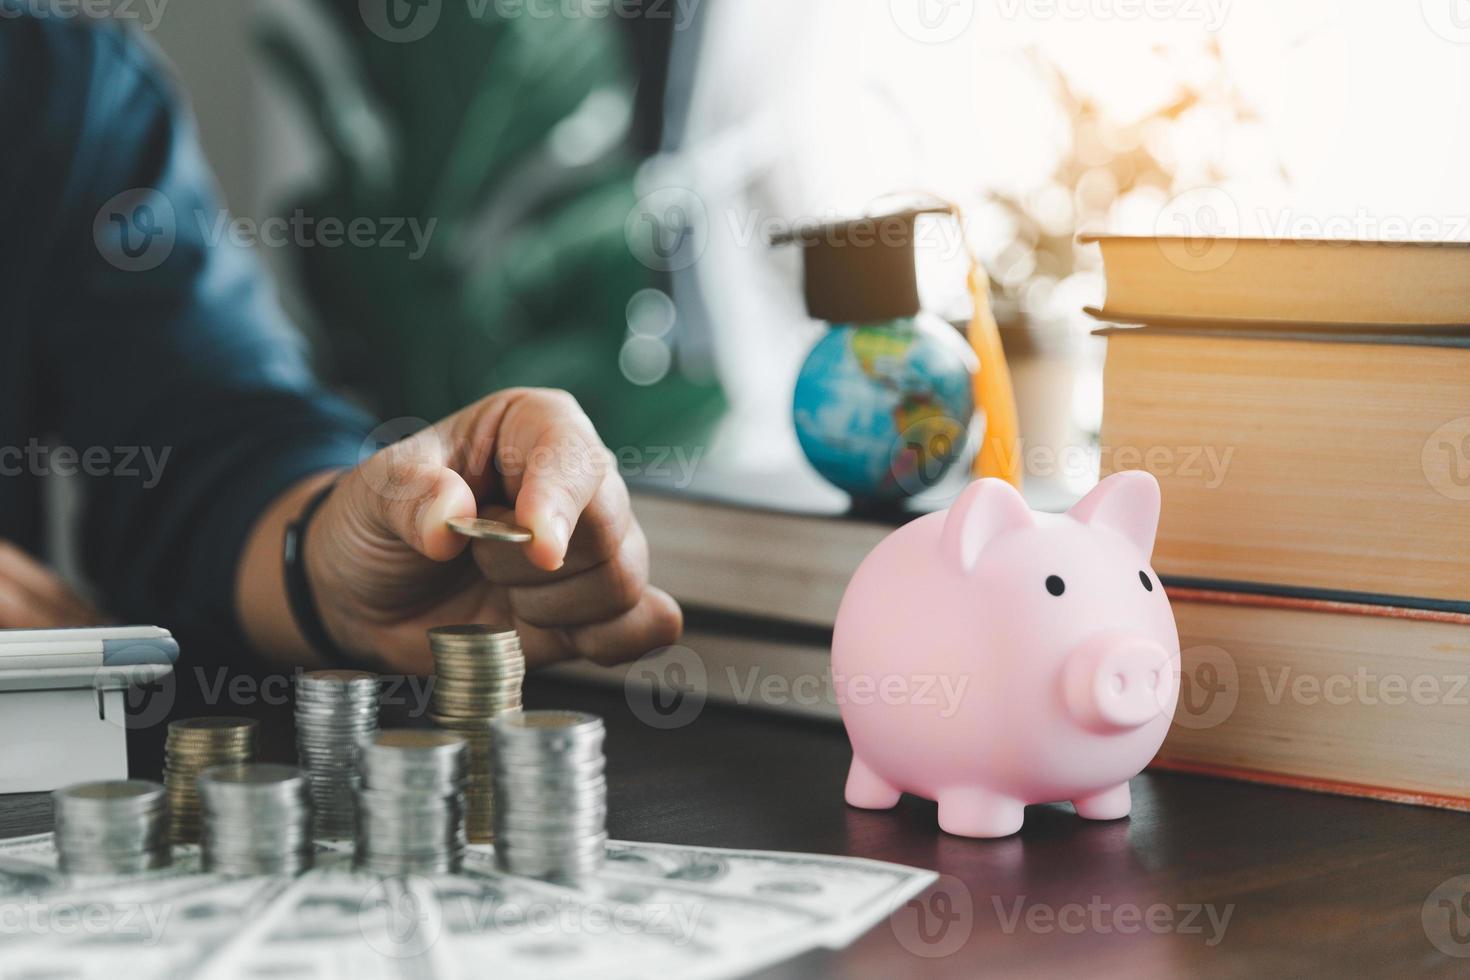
(1306, 409)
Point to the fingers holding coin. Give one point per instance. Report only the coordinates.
(484, 529)
(599, 537)
(599, 603)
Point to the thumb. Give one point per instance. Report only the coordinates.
(405, 495)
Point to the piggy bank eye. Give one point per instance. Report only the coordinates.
(1147, 582)
(1055, 585)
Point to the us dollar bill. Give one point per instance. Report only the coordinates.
(847, 894)
(655, 910)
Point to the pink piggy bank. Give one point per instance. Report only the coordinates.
(988, 657)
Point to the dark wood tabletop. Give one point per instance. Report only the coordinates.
(1207, 878)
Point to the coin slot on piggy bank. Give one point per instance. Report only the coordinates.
(1054, 634)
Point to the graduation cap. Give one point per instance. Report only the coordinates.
(861, 270)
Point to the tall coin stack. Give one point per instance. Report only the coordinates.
(335, 711)
(257, 820)
(112, 828)
(478, 675)
(194, 745)
(410, 809)
(551, 794)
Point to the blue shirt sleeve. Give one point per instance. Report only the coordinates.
(154, 333)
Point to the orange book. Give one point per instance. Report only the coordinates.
(1383, 285)
(1332, 464)
(1348, 698)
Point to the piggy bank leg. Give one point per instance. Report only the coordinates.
(973, 812)
(1110, 804)
(867, 789)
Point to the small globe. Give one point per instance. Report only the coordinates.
(883, 411)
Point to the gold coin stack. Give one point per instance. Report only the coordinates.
(478, 674)
(194, 745)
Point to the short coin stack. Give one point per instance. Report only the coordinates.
(114, 828)
(194, 745)
(410, 812)
(478, 675)
(257, 820)
(551, 794)
(336, 710)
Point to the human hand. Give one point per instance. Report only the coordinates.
(32, 596)
(385, 567)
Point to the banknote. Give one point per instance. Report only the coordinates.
(847, 894)
(164, 927)
(662, 930)
(333, 922)
(655, 910)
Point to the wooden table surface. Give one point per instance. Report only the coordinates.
(1208, 878)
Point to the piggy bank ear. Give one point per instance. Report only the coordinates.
(1127, 503)
(985, 511)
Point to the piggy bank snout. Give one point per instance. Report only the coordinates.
(1118, 683)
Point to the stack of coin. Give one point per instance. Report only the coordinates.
(194, 745)
(257, 820)
(112, 828)
(478, 674)
(335, 711)
(410, 809)
(551, 794)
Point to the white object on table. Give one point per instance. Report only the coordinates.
(63, 716)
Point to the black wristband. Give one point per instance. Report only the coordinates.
(299, 596)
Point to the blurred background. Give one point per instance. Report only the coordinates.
(601, 177)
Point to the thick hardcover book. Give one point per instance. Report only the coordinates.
(1361, 700)
(1380, 285)
(1328, 465)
